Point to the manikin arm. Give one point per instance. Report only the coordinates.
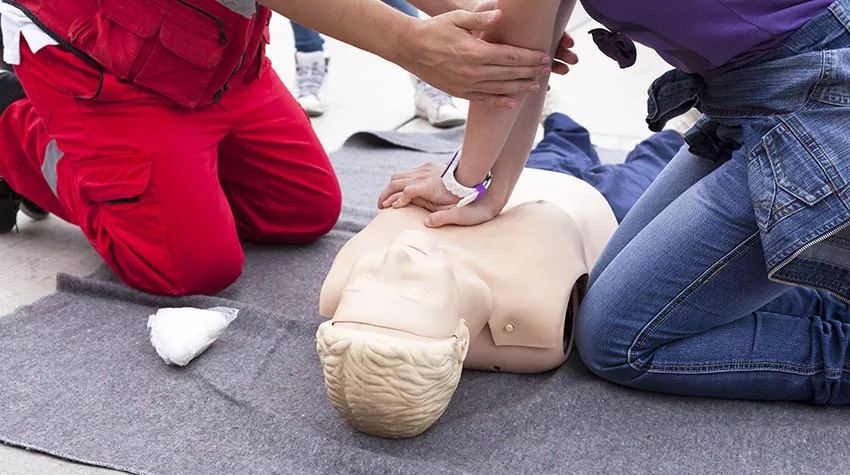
(441, 51)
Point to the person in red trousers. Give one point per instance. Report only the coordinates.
(160, 128)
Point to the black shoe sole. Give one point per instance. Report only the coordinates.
(10, 91)
(9, 204)
(33, 211)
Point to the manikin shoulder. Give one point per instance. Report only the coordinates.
(552, 223)
(585, 206)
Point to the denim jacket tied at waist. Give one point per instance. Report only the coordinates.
(788, 116)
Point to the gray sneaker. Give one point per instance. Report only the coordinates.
(435, 106)
(311, 71)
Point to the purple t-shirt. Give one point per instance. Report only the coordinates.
(698, 36)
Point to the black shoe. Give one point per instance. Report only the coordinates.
(9, 204)
(10, 201)
(10, 89)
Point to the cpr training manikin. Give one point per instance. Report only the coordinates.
(410, 307)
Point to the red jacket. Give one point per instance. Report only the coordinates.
(186, 50)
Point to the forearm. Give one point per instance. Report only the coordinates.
(489, 127)
(438, 7)
(370, 25)
(514, 154)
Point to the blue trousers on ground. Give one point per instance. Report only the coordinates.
(309, 41)
(566, 148)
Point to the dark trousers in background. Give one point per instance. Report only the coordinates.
(566, 148)
(309, 41)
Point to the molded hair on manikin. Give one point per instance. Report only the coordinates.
(388, 386)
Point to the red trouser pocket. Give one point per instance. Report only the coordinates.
(183, 61)
(117, 207)
(114, 179)
(119, 33)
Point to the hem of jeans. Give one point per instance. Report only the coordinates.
(736, 366)
(659, 319)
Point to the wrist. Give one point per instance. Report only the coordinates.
(467, 193)
(495, 200)
(468, 177)
(438, 7)
(404, 50)
(468, 5)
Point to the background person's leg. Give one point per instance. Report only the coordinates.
(311, 69)
(431, 104)
(306, 40)
(567, 148)
(623, 184)
(276, 175)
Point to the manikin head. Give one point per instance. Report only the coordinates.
(393, 353)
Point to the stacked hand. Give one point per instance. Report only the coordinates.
(423, 187)
(446, 51)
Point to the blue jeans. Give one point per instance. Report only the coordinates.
(566, 148)
(309, 41)
(680, 301)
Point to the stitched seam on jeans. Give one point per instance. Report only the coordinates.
(804, 370)
(819, 87)
(668, 309)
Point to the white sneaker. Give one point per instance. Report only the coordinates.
(311, 70)
(554, 103)
(435, 106)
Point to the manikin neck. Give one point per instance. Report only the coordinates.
(476, 297)
(474, 308)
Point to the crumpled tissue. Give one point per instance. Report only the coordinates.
(181, 334)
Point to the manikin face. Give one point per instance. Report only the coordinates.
(410, 288)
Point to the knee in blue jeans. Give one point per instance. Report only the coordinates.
(604, 337)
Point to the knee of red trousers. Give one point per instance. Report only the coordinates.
(205, 271)
(300, 222)
(326, 211)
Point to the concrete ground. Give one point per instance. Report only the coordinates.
(365, 93)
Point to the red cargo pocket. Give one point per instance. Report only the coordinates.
(120, 32)
(183, 61)
(113, 180)
(118, 208)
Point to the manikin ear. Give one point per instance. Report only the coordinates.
(463, 336)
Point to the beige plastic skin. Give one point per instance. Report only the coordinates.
(410, 306)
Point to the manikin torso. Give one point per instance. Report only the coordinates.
(516, 279)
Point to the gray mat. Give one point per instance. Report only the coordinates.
(80, 380)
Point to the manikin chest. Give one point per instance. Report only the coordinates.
(530, 257)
